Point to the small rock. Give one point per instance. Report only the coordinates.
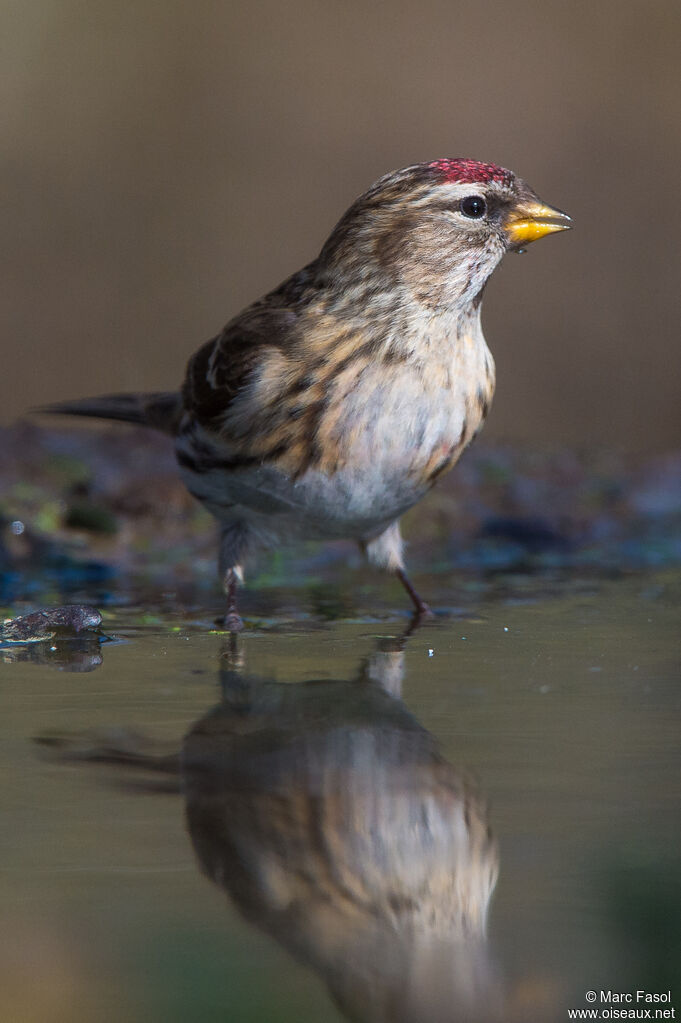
(41, 625)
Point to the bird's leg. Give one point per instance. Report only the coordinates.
(421, 609)
(233, 543)
(232, 620)
(385, 551)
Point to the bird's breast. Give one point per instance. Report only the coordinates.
(408, 420)
(369, 446)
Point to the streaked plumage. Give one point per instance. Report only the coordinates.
(331, 406)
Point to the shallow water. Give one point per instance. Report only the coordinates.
(308, 826)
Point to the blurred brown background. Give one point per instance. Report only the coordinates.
(165, 163)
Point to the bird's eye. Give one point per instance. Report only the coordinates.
(473, 206)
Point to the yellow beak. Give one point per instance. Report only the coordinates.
(532, 220)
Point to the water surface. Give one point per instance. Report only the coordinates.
(309, 825)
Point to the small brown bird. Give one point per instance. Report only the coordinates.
(332, 405)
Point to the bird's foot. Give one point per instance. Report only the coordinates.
(421, 616)
(231, 622)
(234, 622)
(421, 609)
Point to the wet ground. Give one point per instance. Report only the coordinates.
(331, 818)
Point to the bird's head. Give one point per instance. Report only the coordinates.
(439, 229)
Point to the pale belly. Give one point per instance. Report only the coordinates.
(388, 440)
(348, 504)
(389, 466)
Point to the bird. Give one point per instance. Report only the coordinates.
(330, 406)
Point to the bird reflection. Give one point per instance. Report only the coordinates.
(327, 813)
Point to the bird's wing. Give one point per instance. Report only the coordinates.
(223, 369)
(264, 337)
(250, 390)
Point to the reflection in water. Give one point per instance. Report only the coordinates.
(60, 637)
(78, 653)
(326, 812)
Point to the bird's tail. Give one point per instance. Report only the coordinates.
(160, 409)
